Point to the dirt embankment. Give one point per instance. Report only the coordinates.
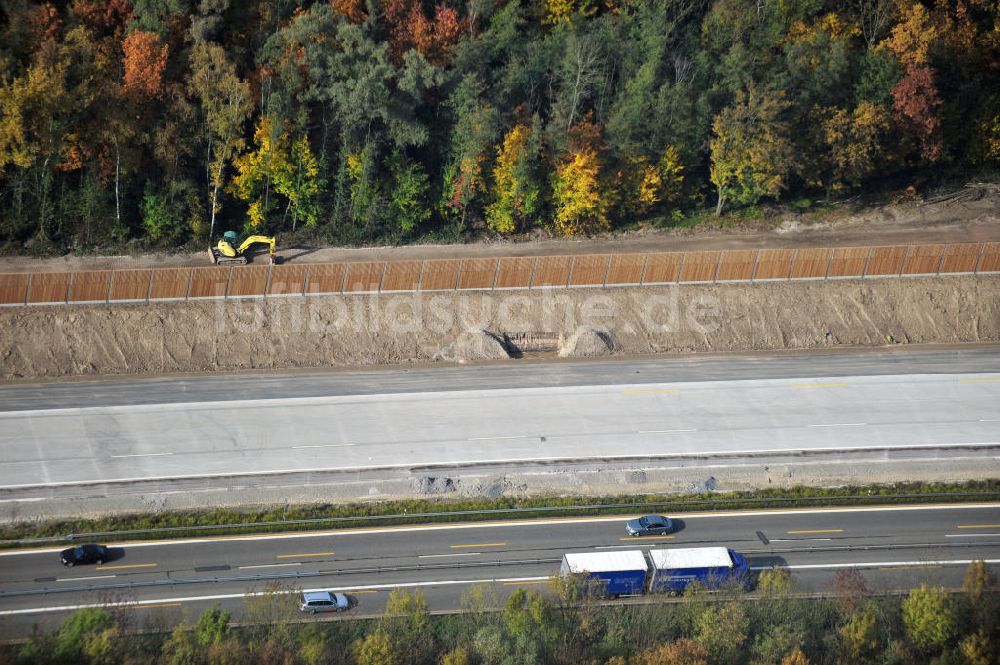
(468, 327)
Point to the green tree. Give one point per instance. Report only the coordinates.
(408, 189)
(929, 617)
(406, 624)
(775, 582)
(723, 630)
(159, 218)
(859, 636)
(375, 649)
(751, 151)
(79, 630)
(298, 179)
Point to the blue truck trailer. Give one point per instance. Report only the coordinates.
(615, 573)
(674, 569)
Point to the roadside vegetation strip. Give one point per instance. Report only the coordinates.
(186, 524)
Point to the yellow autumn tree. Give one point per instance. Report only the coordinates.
(576, 195)
(855, 142)
(255, 171)
(564, 11)
(516, 192)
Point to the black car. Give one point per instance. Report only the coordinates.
(650, 525)
(84, 554)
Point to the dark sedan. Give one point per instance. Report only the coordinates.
(84, 554)
(649, 525)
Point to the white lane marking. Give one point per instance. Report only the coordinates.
(78, 579)
(436, 556)
(502, 438)
(664, 431)
(144, 455)
(226, 596)
(493, 525)
(796, 540)
(271, 565)
(326, 445)
(970, 535)
(881, 564)
(510, 460)
(989, 420)
(841, 425)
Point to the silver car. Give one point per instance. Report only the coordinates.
(324, 601)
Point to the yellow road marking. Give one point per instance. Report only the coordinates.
(527, 582)
(978, 526)
(455, 547)
(917, 567)
(647, 538)
(292, 556)
(819, 385)
(988, 378)
(357, 591)
(131, 565)
(817, 531)
(650, 390)
(146, 607)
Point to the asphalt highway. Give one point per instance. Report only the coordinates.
(97, 432)
(893, 547)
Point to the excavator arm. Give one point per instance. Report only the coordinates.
(270, 241)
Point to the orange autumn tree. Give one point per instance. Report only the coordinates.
(410, 28)
(145, 60)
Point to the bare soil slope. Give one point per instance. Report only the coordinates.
(467, 327)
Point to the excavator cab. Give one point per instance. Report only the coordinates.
(227, 252)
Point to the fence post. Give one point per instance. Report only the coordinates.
(187, 294)
(69, 286)
(381, 280)
(607, 271)
(229, 283)
(864, 271)
(979, 260)
(496, 274)
(343, 277)
(791, 263)
(267, 280)
(680, 268)
(458, 274)
(944, 253)
(906, 255)
(149, 285)
(27, 290)
(531, 279)
(642, 273)
(420, 276)
(829, 263)
(569, 276)
(718, 266)
(756, 262)
(305, 281)
(111, 285)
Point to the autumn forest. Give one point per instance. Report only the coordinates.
(162, 122)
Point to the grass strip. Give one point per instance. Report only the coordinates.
(285, 518)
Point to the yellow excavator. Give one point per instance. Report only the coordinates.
(227, 253)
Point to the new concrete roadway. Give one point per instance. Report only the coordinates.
(75, 434)
(894, 548)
